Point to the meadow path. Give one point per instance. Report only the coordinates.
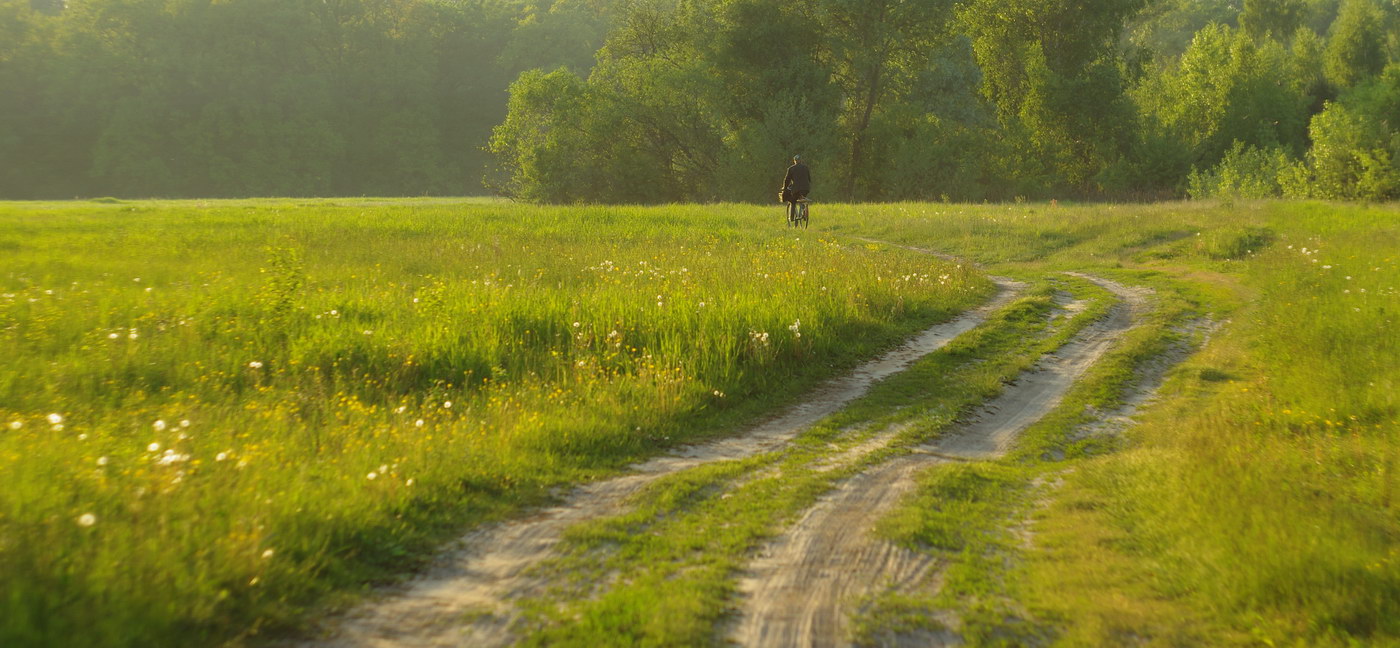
(802, 586)
(466, 597)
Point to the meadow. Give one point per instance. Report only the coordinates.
(218, 414)
(1256, 502)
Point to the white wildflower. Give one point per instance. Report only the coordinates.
(102, 461)
(87, 520)
(159, 425)
(15, 425)
(267, 554)
(55, 418)
(154, 447)
(372, 476)
(418, 423)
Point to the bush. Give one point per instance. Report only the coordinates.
(1244, 172)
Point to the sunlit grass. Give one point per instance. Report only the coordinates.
(216, 412)
(1257, 502)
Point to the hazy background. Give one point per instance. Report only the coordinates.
(686, 100)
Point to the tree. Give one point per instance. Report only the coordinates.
(1356, 46)
(1052, 70)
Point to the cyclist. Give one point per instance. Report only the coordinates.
(796, 185)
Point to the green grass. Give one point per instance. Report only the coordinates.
(264, 403)
(1255, 504)
(675, 554)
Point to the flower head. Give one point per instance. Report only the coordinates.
(55, 418)
(87, 520)
(159, 425)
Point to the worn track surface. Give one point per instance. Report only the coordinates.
(466, 598)
(803, 586)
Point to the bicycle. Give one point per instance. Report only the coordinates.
(799, 217)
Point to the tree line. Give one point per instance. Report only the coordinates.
(700, 100)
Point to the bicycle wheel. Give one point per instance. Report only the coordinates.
(804, 216)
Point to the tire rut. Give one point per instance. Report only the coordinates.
(466, 597)
(801, 587)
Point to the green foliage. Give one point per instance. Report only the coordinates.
(1226, 90)
(1356, 144)
(1244, 172)
(676, 100)
(1051, 71)
(1356, 45)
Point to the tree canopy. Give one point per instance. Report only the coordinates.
(698, 100)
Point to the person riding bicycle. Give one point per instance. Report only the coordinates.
(796, 184)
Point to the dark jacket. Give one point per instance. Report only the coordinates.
(798, 178)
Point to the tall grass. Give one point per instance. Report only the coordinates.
(216, 413)
(1259, 502)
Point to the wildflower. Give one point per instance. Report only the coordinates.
(267, 554)
(15, 425)
(57, 427)
(222, 456)
(576, 324)
(87, 520)
(418, 423)
(82, 437)
(55, 418)
(447, 405)
(102, 461)
(255, 365)
(400, 409)
(1327, 267)
(409, 482)
(154, 447)
(372, 476)
(132, 335)
(369, 332)
(719, 394)
(1348, 277)
(112, 336)
(184, 423)
(171, 457)
(159, 425)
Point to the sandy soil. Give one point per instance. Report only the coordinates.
(466, 597)
(802, 586)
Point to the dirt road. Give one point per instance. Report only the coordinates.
(466, 598)
(802, 587)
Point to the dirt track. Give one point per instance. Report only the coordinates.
(466, 597)
(802, 587)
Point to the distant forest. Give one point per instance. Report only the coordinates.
(700, 100)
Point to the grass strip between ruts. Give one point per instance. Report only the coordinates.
(663, 573)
